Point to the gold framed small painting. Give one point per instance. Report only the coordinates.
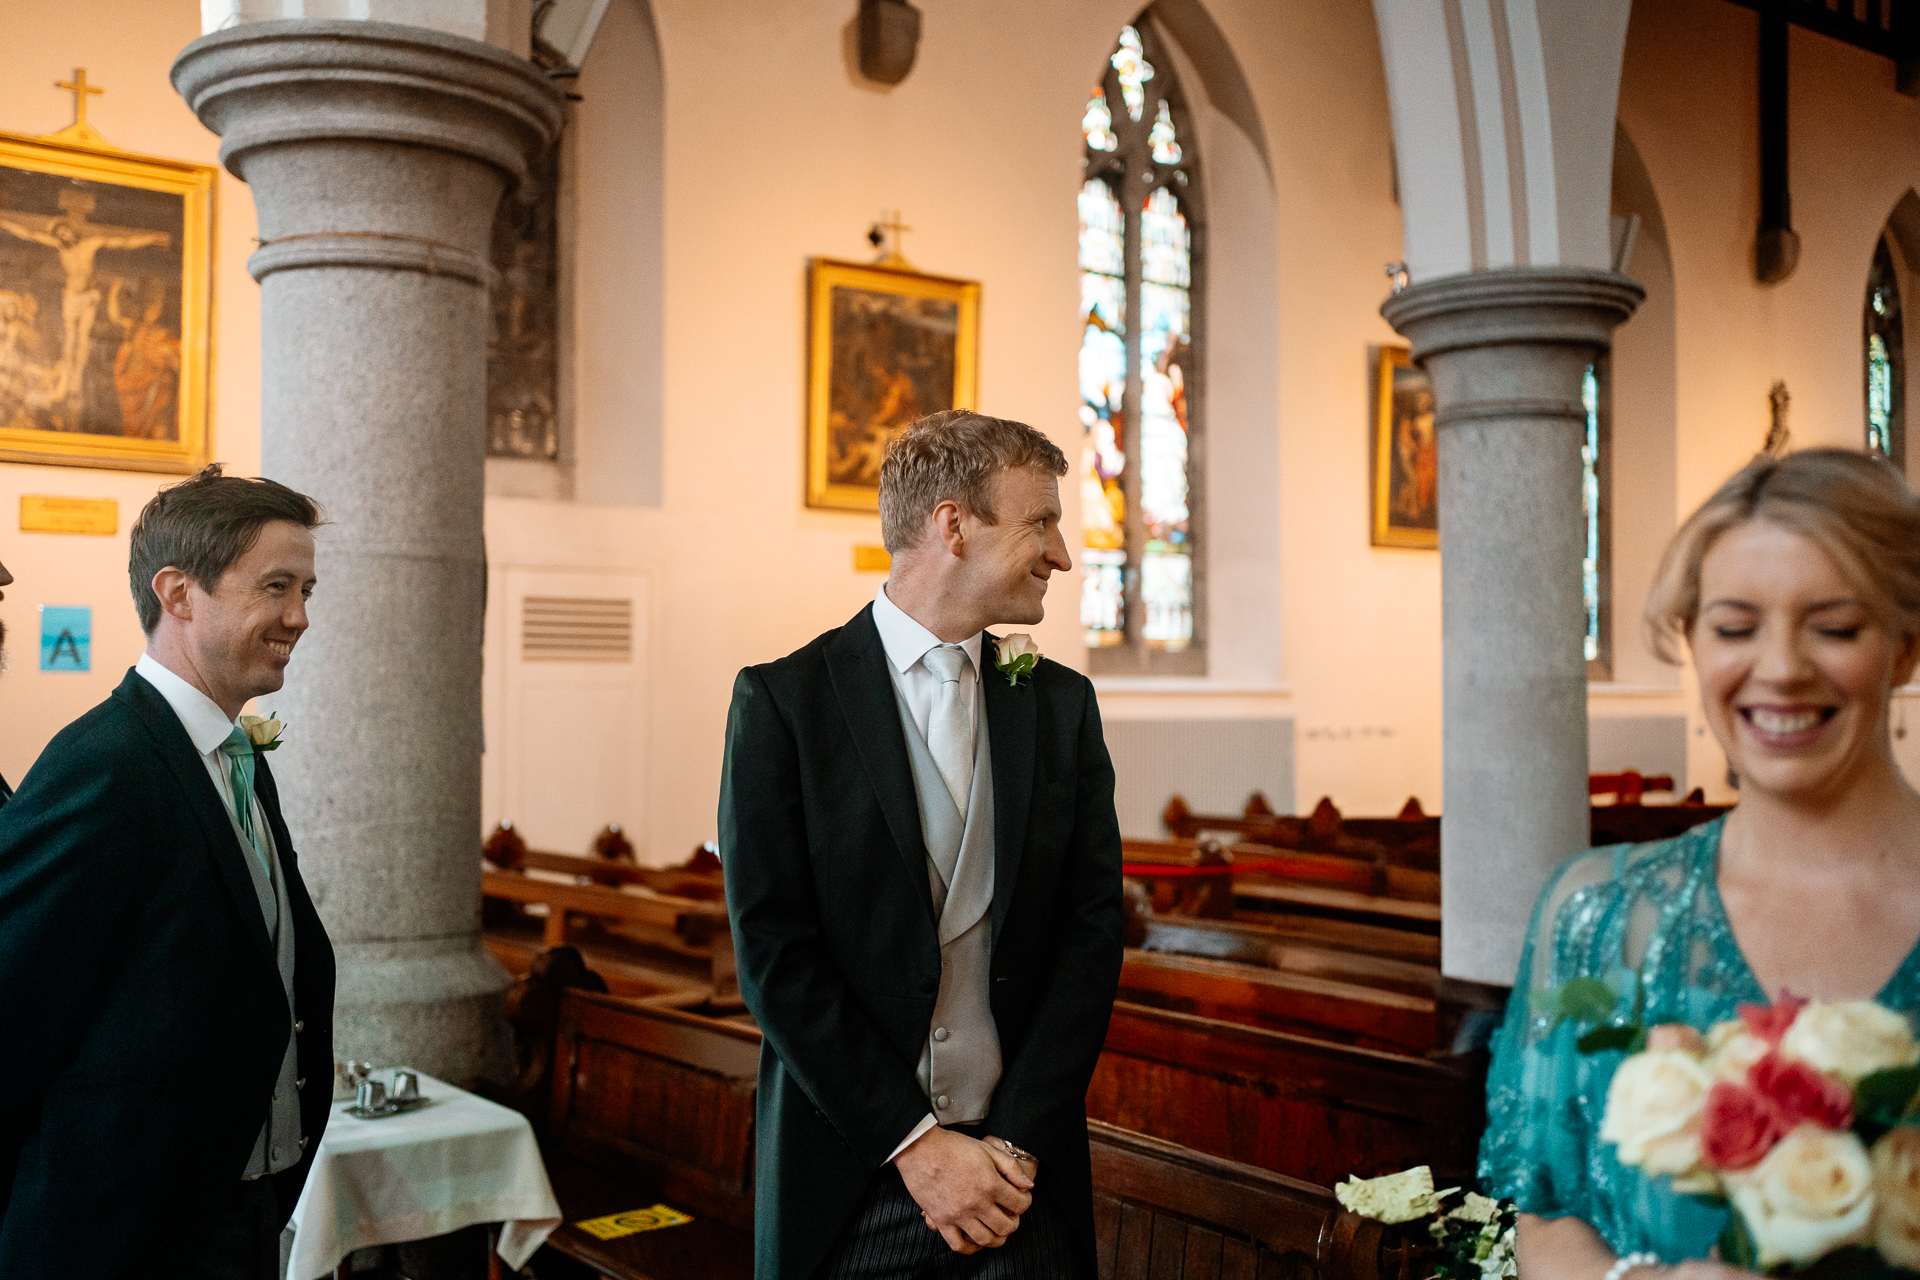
(1406, 455)
(886, 346)
(106, 306)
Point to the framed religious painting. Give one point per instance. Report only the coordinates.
(106, 305)
(887, 346)
(1406, 472)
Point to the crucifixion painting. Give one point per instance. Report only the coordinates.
(90, 307)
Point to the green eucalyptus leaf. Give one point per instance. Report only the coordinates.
(1883, 1097)
(1587, 1000)
(1737, 1247)
(1628, 1039)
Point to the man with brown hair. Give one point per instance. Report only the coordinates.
(168, 989)
(923, 872)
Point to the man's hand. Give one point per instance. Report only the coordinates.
(971, 1192)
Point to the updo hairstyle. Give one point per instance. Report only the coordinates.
(1854, 506)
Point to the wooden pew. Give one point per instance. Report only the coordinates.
(654, 1103)
(1393, 1013)
(692, 921)
(1166, 1212)
(1296, 1105)
(1271, 939)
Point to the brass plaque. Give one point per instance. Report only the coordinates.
(45, 513)
(871, 560)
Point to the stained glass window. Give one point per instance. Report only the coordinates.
(1885, 360)
(1162, 138)
(1138, 239)
(1096, 126)
(1130, 63)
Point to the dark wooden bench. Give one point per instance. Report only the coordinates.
(1304, 1106)
(651, 1101)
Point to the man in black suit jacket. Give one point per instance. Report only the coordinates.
(851, 765)
(168, 992)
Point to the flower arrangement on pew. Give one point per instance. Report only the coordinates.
(1474, 1239)
(1804, 1117)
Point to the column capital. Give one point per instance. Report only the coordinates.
(1572, 306)
(268, 84)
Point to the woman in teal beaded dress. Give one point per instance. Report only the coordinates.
(1796, 590)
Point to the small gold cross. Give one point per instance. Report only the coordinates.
(79, 87)
(895, 258)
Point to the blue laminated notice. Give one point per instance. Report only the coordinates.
(66, 638)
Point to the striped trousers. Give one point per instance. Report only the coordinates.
(887, 1240)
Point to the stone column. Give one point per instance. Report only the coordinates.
(1507, 352)
(377, 154)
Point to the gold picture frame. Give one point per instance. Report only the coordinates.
(106, 305)
(1405, 454)
(887, 345)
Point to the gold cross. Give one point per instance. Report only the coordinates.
(80, 89)
(898, 228)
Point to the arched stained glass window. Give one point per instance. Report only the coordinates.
(1886, 361)
(1140, 237)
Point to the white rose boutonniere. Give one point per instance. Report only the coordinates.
(263, 731)
(1015, 656)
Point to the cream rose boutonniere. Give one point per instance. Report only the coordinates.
(262, 731)
(1015, 657)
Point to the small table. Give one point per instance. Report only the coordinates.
(458, 1161)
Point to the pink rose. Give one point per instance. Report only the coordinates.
(1802, 1094)
(1677, 1035)
(1769, 1022)
(1738, 1126)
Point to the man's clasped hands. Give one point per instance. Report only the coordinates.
(971, 1191)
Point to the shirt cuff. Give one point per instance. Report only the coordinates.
(926, 1122)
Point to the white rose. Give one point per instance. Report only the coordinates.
(1812, 1194)
(1017, 645)
(1653, 1110)
(260, 730)
(1853, 1040)
(1732, 1050)
(1896, 1195)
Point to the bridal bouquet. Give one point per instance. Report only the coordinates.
(1803, 1116)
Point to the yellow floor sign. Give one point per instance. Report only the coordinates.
(615, 1225)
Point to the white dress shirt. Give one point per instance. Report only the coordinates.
(207, 727)
(906, 643)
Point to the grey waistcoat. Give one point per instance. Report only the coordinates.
(960, 1062)
(280, 1144)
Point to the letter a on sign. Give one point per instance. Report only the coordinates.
(66, 638)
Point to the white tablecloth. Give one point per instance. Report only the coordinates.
(458, 1161)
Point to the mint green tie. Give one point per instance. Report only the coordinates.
(238, 749)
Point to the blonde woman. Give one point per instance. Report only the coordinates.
(1796, 591)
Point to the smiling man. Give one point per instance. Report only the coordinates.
(923, 871)
(166, 989)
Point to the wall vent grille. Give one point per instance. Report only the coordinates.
(575, 629)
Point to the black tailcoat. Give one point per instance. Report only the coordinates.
(839, 956)
(142, 1017)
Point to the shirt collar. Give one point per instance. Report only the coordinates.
(206, 724)
(907, 641)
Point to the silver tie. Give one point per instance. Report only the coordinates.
(949, 727)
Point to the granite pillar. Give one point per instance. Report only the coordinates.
(377, 154)
(1507, 352)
